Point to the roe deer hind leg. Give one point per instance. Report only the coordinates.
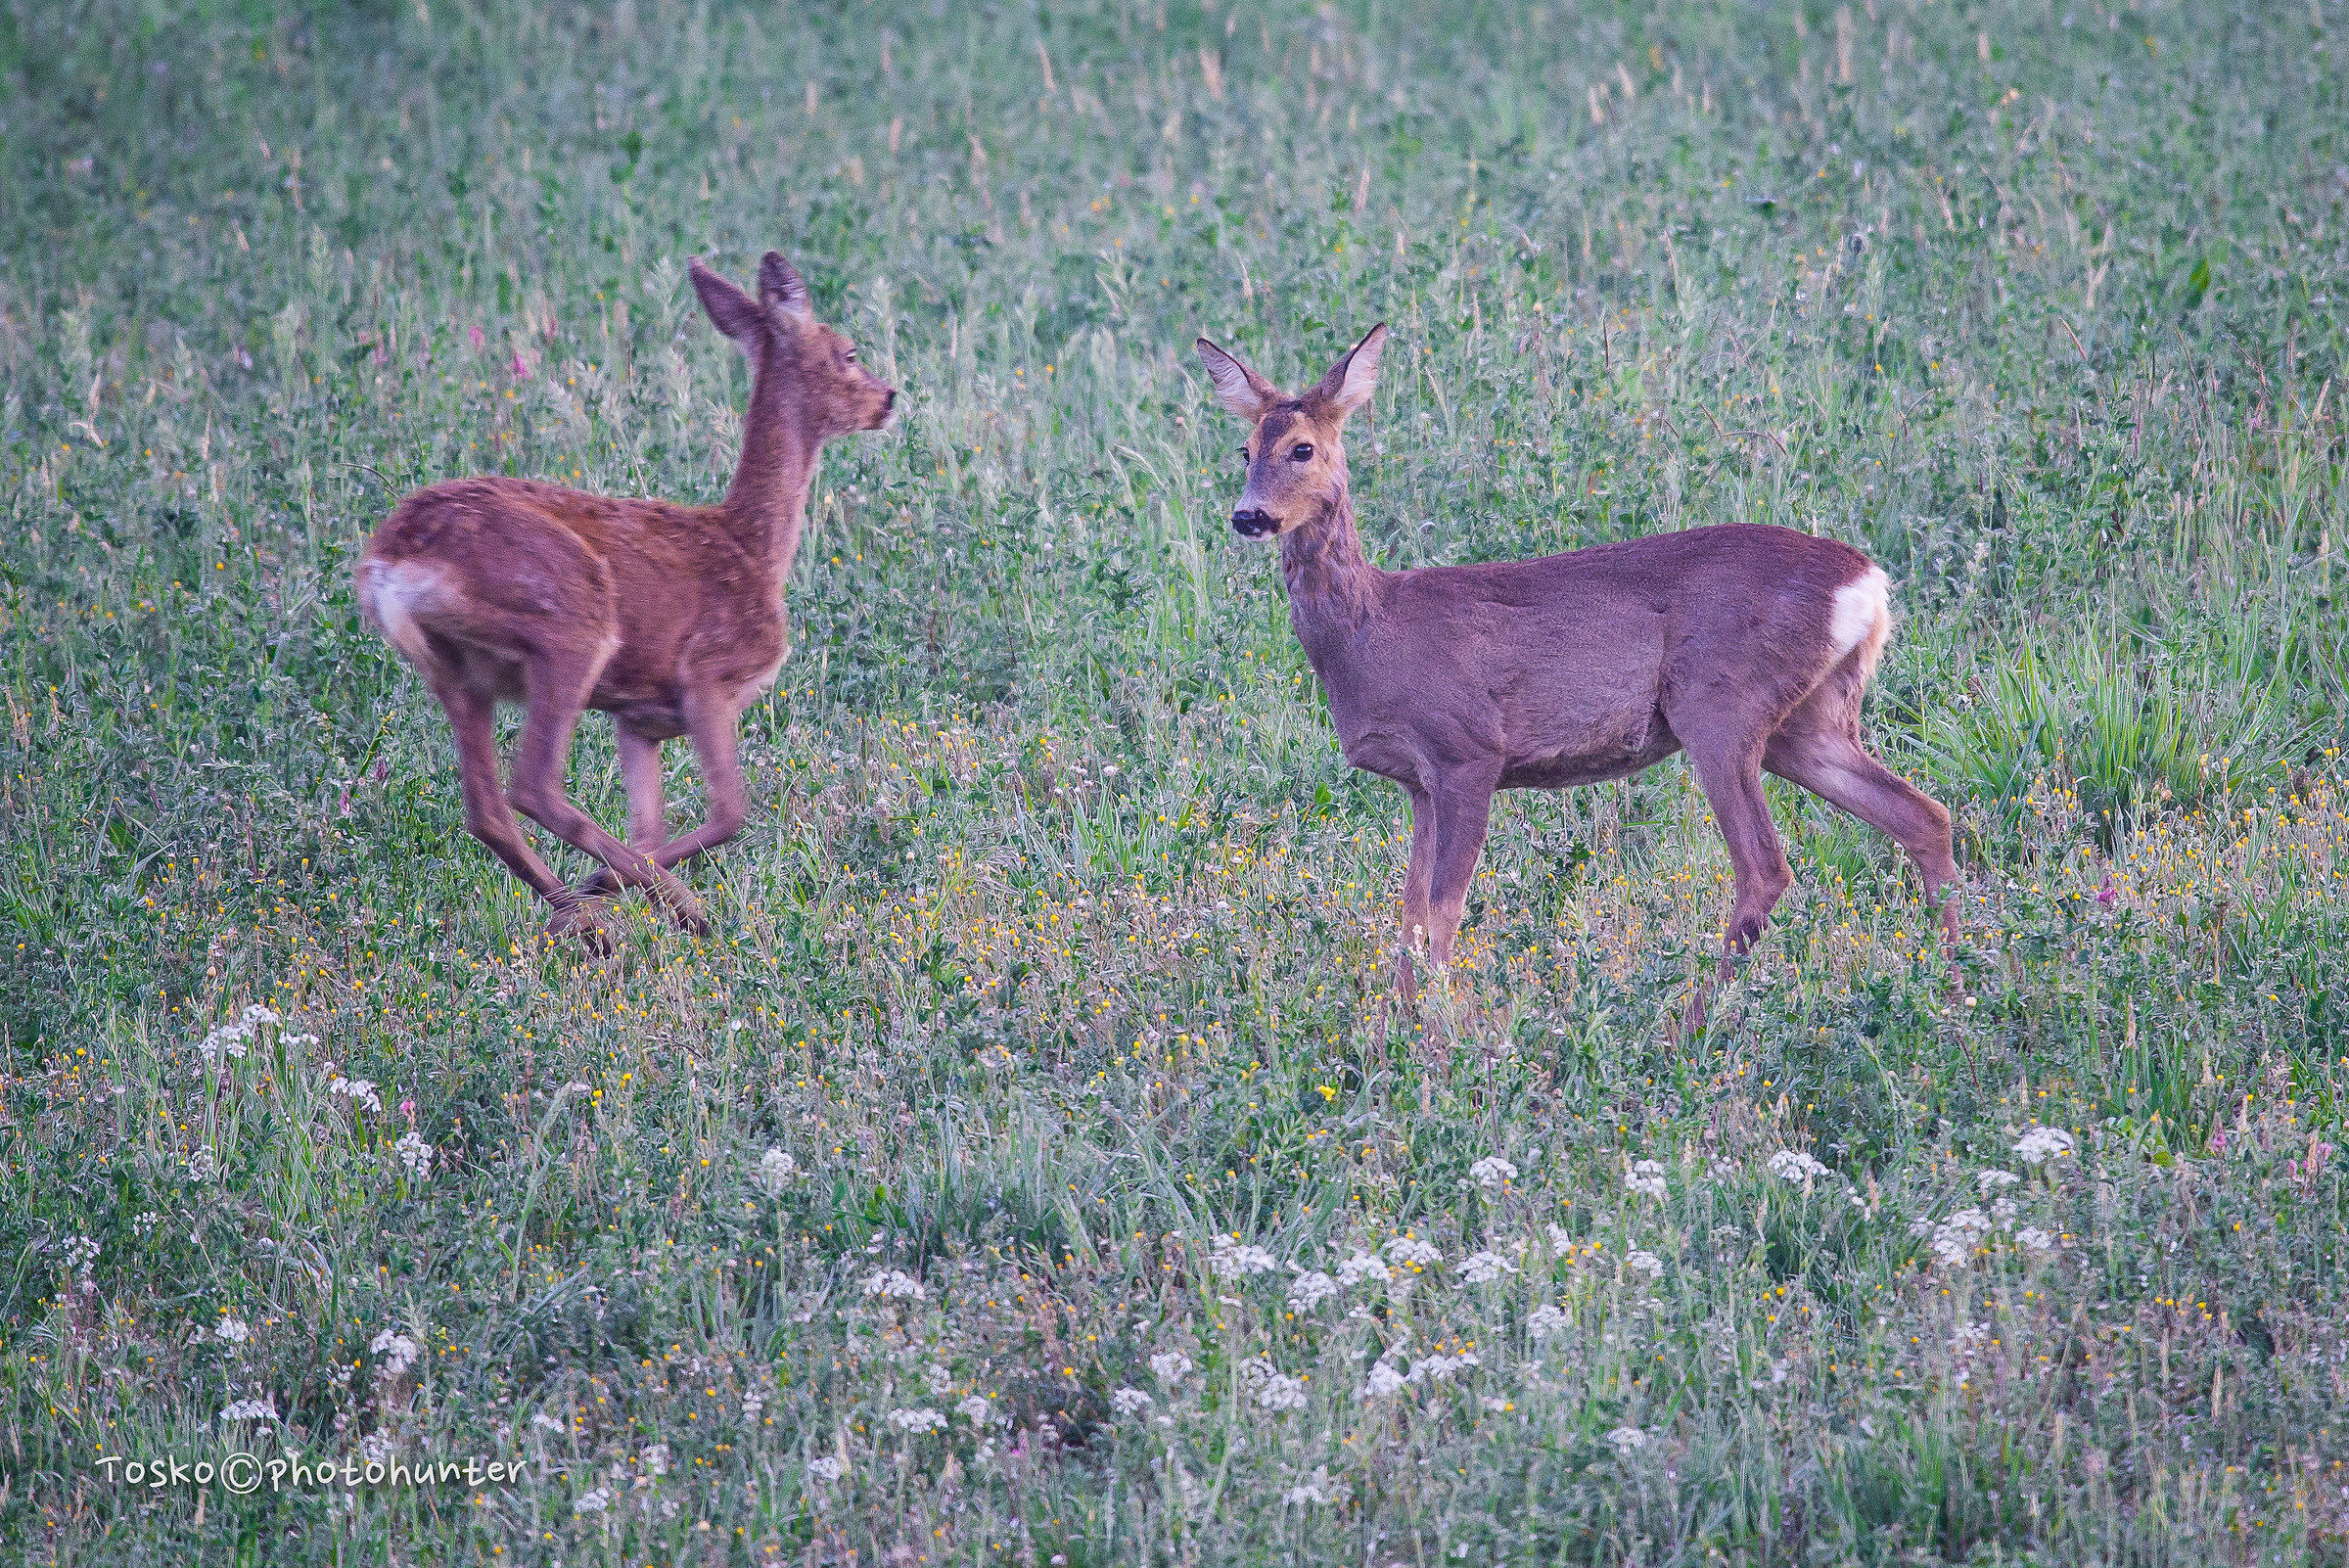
(488, 818)
(1730, 776)
(1833, 765)
(648, 823)
(1415, 883)
(557, 685)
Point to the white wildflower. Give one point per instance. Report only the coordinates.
(826, 1468)
(2003, 1212)
(595, 1502)
(81, 1256)
(414, 1153)
(358, 1090)
(1560, 1238)
(776, 1171)
(1483, 1268)
(975, 1410)
(1383, 1381)
(1646, 1262)
(1410, 1251)
(377, 1446)
(1361, 1267)
(924, 1419)
(1440, 1369)
(1627, 1438)
(1281, 1393)
(1232, 1259)
(1170, 1365)
(894, 1284)
(1310, 1290)
(546, 1422)
(753, 1402)
(296, 1041)
(1954, 1239)
(655, 1458)
(255, 1015)
(263, 1409)
(1319, 1489)
(1493, 1172)
(397, 1351)
(1544, 1321)
(1969, 1339)
(1793, 1165)
(1646, 1177)
(225, 1039)
(2033, 1239)
(1989, 1182)
(232, 1331)
(2042, 1143)
(201, 1166)
(1130, 1401)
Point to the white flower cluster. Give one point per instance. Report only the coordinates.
(1545, 1320)
(776, 1171)
(1170, 1366)
(1646, 1262)
(1130, 1401)
(1274, 1390)
(263, 1409)
(232, 1331)
(1483, 1268)
(1318, 1489)
(1793, 1165)
(1361, 1267)
(975, 1410)
(923, 1419)
(228, 1038)
(1410, 1251)
(826, 1468)
(593, 1502)
(1647, 1178)
(2043, 1143)
(414, 1153)
(397, 1351)
(358, 1090)
(80, 1257)
(1954, 1239)
(1310, 1290)
(1627, 1438)
(1232, 1258)
(1493, 1172)
(894, 1284)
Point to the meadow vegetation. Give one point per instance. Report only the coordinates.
(1033, 1168)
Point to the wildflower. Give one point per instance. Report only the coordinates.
(2033, 1239)
(1408, 1252)
(1646, 1177)
(225, 1039)
(1627, 1438)
(753, 1402)
(2003, 1212)
(924, 1419)
(1989, 1182)
(655, 1458)
(827, 1468)
(1232, 1259)
(414, 1153)
(1793, 1165)
(1491, 1172)
(201, 1166)
(1954, 1239)
(1310, 1290)
(1383, 1381)
(397, 1351)
(595, 1502)
(974, 1409)
(2043, 1143)
(358, 1090)
(1483, 1268)
(1560, 1238)
(81, 1261)
(1361, 1267)
(895, 1283)
(1316, 1489)
(1646, 1262)
(1130, 1401)
(232, 1331)
(1969, 1338)
(1544, 1321)
(255, 1015)
(263, 1409)
(1440, 1369)
(546, 1422)
(1274, 1390)
(776, 1171)
(1170, 1365)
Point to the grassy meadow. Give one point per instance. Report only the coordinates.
(1033, 1168)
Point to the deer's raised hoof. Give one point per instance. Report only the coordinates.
(580, 921)
(685, 909)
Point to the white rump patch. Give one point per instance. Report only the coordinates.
(396, 593)
(1862, 610)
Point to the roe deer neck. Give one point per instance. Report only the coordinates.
(767, 499)
(1333, 588)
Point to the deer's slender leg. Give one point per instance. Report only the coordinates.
(711, 726)
(648, 821)
(1731, 780)
(488, 818)
(557, 686)
(1464, 810)
(1415, 883)
(1833, 765)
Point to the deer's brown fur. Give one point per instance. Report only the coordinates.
(668, 617)
(1747, 646)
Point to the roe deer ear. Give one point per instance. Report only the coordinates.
(1353, 379)
(732, 311)
(780, 288)
(1237, 388)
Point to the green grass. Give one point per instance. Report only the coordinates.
(1055, 958)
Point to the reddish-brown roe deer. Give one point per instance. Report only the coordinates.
(667, 618)
(1746, 646)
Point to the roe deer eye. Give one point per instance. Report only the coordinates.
(1302, 452)
(847, 356)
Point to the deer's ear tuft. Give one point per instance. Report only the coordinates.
(732, 311)
(780, 288)
(1352, 380)
(1239, 389)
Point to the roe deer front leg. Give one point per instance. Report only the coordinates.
(1730, 776)
(711, 728)
(1463, 805)
(1415, 883)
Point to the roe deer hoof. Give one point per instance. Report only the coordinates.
(580, 921)
(687, 911)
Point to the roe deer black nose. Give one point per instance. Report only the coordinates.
(889, 400)
(1253, 523)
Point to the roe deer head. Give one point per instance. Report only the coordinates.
(1746, 646)
(667, 618)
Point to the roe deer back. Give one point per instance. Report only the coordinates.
(667, 618)
(1747, 646)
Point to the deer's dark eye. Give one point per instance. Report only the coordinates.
(847, 356)
(1244, 458)
(1302, 452)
